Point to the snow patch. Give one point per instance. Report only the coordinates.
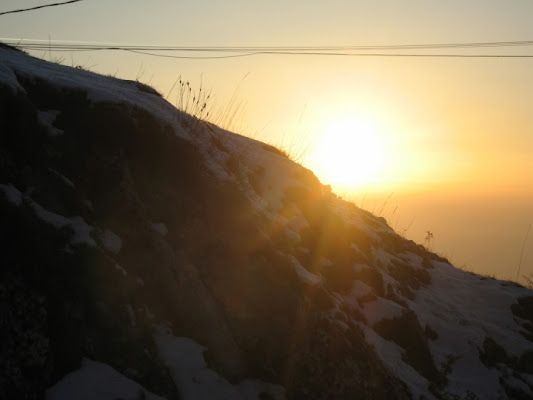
(380, 309)
(358, 218)
(160, 228)
(131, 314)
(47, 119)
(143, 309)
(297, 221)
(97, 381)
(67, 181)
(88, 204)
(414, 260)
(360, 290)
(9, 79)
(464, 309)
(391, 354)
(357, 249)
(122, 270)
(470, 375)
(304, 274)
(517, 384)
(292, 237)
(111, 241)
(82, 231)
(99, 88)
(195, 381)
(12, 194)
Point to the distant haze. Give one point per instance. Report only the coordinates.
(480, 231)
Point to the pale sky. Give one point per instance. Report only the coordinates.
(460, 128)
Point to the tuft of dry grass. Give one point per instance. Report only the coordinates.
(294, 153)
(191, 101)
(229, 117)
(200, 104)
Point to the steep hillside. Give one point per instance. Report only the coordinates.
(146, 254)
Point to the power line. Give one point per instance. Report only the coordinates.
(293, 53)
(96, 46)
(192, 57)
(247, 51)
(38, 7)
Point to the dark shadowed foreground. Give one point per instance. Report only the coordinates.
(145, 253)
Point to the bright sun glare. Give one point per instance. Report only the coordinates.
(349, 152)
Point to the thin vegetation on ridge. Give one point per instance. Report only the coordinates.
(194, 102)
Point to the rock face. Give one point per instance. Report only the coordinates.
(142, 246)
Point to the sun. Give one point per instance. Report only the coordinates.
(349, 152)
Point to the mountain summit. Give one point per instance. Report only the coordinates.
(149, 254)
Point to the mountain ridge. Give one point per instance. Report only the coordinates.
(136, 237)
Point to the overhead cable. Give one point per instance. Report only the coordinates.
(39, 7)
(247, 51)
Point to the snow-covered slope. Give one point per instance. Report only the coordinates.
(146, 254)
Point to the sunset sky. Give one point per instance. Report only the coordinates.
(452, 138)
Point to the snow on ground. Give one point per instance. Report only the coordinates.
(380, 309)
(265, 173)
(277, 173)
(97, 381)
(414, 260)
(13, 195)
(111, 241)
(195, 381)
(47, 119)
(9, 79)
(360, 290)
(131, 314)
(65, 180)
(99, 88)
(464, 309)
(391, 354)
(474, 305)
(358, 218)
(107, 89)
(120, 269)
(102, 89)
(305, 275)
(82, 230)
(160, 228)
